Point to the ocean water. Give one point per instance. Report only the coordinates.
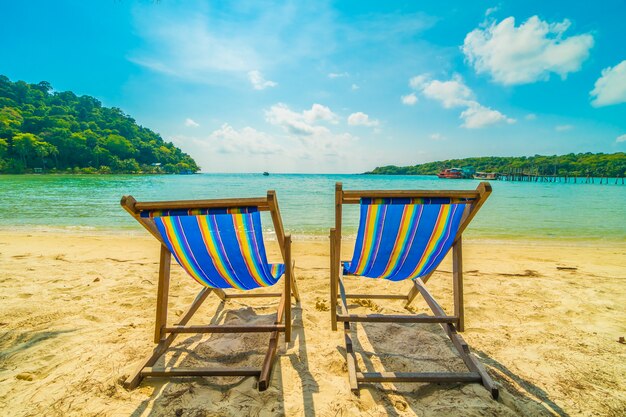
(515, 210)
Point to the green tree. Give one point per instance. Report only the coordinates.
(44, 149)
(77, 132)
(24, 145)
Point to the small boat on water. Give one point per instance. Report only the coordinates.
(485, 176)
(451, 173)
(265, 173)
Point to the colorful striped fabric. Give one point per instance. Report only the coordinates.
(403, 238)
(196, 212)
(219, 248)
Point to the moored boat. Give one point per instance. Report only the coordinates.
(451, 173)
(485, 176)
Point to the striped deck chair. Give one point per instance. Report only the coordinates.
(219, 243)
(405, 235)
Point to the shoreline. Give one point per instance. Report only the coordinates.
(137, 232)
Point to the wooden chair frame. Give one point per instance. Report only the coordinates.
(165, 334)
(450, 323)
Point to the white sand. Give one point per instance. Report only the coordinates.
(76, 314)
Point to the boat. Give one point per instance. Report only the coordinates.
(451, 173)
(265, 173)
(485, 176)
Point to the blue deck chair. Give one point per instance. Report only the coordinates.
(219, 243)
(405, 235)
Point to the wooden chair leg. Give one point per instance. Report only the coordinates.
(135, 378)
(414, 292)
(162, 293)
(350, 356)
(457, 277)
(268, 362)
(294, 284)
(333, 280)
(220, 293)
(287, 289)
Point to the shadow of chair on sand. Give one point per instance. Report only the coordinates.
(426, 348)
(229, 395)
(184, 395)
(299, 361)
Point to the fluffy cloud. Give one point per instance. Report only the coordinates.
(563, 128)
(621, 138)
(418, 82)
(303, 123)
(310, 132)
(409, 99)
(337, 74)
(361, 119)
(258, 82)
(528, 53)
(454, 93)
(610, 88)
(530, 116)
(320, 112)
(228, 140)
(191, 123)
(477, 116)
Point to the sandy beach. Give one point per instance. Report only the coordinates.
(76, 315)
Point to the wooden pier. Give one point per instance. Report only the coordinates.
(519, 175)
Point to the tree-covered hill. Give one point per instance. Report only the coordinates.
(41, 129)
(582, 164)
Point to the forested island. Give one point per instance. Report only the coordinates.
(42, 130)
(572, 165)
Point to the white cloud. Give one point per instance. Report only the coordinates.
(258, 82)
(454, 93)
(355, 87)
(320, 112)
(418, 82)
(610, 88)
(337, 74)
(409, 99)
(191, 123)
(530, 116)
(491, 10)
(621, 138)
(361, 119)
(528, 53)
(201, 45)
(563, 128)
(437, 136)
(477, 116)
(314, 141)
(300, 123)
(228, 140)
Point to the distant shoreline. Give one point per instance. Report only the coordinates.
(61, 232)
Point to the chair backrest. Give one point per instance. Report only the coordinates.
(406, 234)
(217, 242)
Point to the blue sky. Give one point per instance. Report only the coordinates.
(337, 87)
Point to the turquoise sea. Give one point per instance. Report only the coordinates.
(515, 210)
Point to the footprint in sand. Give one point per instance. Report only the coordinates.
(321, 305)
(367, 304)
(25, 376)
